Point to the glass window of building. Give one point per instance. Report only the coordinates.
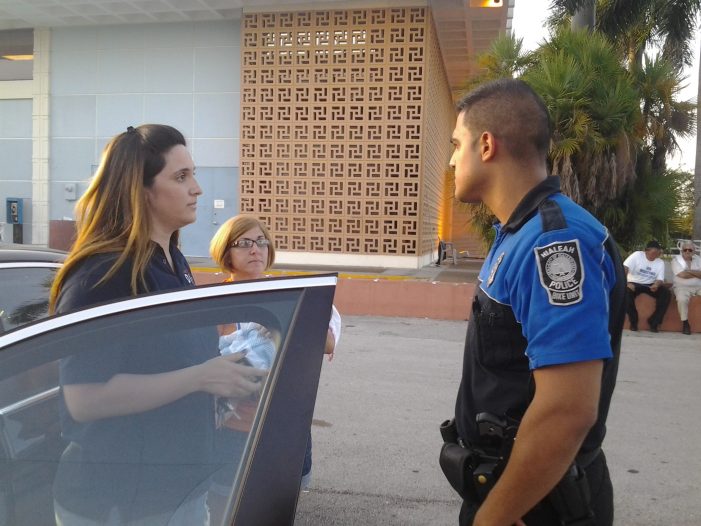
(16, 54)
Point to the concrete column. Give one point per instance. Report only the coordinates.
(40, 137)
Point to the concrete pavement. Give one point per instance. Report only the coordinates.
(394, 380)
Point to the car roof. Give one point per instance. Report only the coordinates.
(19, 253)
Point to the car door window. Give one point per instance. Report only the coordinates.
(24, 294)
(162, 464)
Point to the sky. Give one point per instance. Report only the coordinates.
(529, 24)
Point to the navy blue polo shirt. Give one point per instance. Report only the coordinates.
(79, 289)
(147, 462)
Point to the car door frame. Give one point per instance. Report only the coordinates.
(270, 472)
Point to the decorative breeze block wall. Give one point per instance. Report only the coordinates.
(436, 196)
(332, 129)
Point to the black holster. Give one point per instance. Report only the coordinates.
(456, 462)
(571, 499)
(472, 473)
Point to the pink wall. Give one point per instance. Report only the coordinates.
(671, 321)
(446, 301)
(387, 297)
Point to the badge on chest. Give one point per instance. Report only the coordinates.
(495, 267)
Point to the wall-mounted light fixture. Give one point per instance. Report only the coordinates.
(487, 3)
(17, 57)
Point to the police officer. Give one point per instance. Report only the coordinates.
(544, 335)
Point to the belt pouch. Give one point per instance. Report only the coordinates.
(571, 499)
(456, 463)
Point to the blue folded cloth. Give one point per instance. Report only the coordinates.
(253, 339)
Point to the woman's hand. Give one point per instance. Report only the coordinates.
(330, 345)
(226, 376)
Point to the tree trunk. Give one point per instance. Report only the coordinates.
(585, 17)
(697, 168)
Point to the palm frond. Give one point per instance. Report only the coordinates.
(676, 24)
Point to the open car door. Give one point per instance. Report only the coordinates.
(256, 479)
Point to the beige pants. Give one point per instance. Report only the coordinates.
(683, 295)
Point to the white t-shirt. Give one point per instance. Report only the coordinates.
(643, 271)
(679, 264)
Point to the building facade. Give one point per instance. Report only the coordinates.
(330, 121)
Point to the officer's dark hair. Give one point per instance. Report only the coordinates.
(513, 113)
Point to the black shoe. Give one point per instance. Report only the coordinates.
(633, 326)
(686, 329)
(653, 326)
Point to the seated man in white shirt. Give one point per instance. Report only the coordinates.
(686, 268)
(645, 275)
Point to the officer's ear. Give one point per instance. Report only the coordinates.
(487, 146)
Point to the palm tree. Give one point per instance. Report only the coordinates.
(594, 122)
(645, 209)
(681, 224)
(697, 171)
(635, 26)
(664, 116)
(611, 139)
(505, 58)
(638, 26)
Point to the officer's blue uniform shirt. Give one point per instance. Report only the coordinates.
(556, 282)
(551, 292)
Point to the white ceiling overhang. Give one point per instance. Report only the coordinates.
(465, 28)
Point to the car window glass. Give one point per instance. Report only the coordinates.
(24, 295)
(149, 465)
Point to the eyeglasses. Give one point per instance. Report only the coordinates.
(687, 250)
(244, 242)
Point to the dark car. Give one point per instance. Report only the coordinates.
(26, 275)
(28, 426)
(262, 478)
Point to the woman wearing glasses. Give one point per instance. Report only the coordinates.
(244, 248)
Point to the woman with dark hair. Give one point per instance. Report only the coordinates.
(140, 422)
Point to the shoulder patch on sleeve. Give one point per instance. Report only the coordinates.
(561, 271)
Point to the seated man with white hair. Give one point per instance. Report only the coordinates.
(686, 268)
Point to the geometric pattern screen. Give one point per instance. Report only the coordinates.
(332, 117)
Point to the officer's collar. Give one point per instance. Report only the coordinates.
(529, 204)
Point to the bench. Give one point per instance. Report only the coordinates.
(671, 321)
